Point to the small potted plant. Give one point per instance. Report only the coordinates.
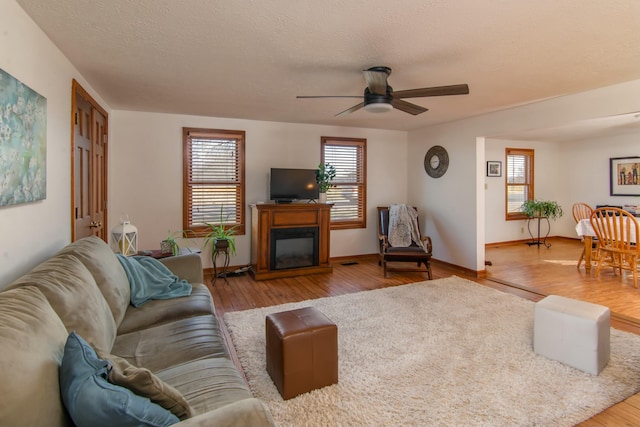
(324, 175)
(542, 209)
(170, 245)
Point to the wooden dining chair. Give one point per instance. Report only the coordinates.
(418, 254)
(618, 233)
(582, 211)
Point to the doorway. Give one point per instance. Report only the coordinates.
(89, 142)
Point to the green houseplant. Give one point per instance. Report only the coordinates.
(324, 175)
(170, 245)
(220, 236)
(542, 208)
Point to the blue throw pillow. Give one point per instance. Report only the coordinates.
(92, 401)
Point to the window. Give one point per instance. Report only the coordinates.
(519, 183)
(213, 179)
(348, 156)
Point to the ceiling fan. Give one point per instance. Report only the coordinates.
(380, 97)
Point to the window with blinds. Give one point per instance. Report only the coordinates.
(519, 182)
(213, 179)
(348, 194)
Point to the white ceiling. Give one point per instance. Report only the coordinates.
(250, 58)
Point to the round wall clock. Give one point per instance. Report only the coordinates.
(436, 161)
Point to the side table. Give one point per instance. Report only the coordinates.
(157, 253)
(224, 252)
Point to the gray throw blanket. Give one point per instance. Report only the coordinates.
(403, 226)
(150, 279)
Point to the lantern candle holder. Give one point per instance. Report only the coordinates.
(124, 238)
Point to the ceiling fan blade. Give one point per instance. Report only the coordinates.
(350, 110)
(376, 79)
(433, 91)
(330, 96)
(408, 107)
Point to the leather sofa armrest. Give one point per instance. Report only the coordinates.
(247, 412)
(188, 267)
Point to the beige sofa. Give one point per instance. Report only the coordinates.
(85, 289)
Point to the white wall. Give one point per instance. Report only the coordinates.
(146, 172)
(549, 177)
(587, 168)
(32, 232)
(456, 212)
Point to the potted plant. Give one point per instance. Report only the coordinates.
(324, 175)
(542, 209)
(220, 237)
(170, 245)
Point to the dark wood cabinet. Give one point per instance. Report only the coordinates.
(298, 231)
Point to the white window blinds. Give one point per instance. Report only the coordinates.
(348, 156)
(519, 176)
(214, 178)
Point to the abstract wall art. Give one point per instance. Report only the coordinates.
(23, 142)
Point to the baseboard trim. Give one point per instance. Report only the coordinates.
(518, 242)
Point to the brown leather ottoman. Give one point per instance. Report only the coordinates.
(302, 351)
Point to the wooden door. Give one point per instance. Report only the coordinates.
(89, 159)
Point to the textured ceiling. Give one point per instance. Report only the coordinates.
(250, 58)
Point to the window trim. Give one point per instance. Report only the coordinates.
(240, 135)
(362, 144)
(530, 153)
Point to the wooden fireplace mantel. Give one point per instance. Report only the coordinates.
(268, 216)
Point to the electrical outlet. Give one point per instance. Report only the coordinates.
(521, 230)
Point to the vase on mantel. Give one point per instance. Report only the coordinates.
(322, 198)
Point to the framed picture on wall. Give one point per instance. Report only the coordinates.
(494, 168)
(624, 176)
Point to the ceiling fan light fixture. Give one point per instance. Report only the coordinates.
(379, 96)
(378, 107)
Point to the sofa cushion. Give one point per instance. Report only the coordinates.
(243, 413)
(32, 343)
(156, 312)
(143, 382)
(92, 401)
(171, 344)
(109, 275)
(74, 295)
(207, 384)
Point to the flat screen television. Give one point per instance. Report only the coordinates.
(287, 185)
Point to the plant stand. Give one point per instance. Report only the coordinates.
(538, 241)
(221, 247)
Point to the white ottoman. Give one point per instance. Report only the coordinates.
(572, 332)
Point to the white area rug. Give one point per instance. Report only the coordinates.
(446, 352)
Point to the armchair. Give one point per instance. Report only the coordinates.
(416, 252)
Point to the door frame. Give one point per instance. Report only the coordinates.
(78, 90)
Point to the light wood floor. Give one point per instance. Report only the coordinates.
(530, 272)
